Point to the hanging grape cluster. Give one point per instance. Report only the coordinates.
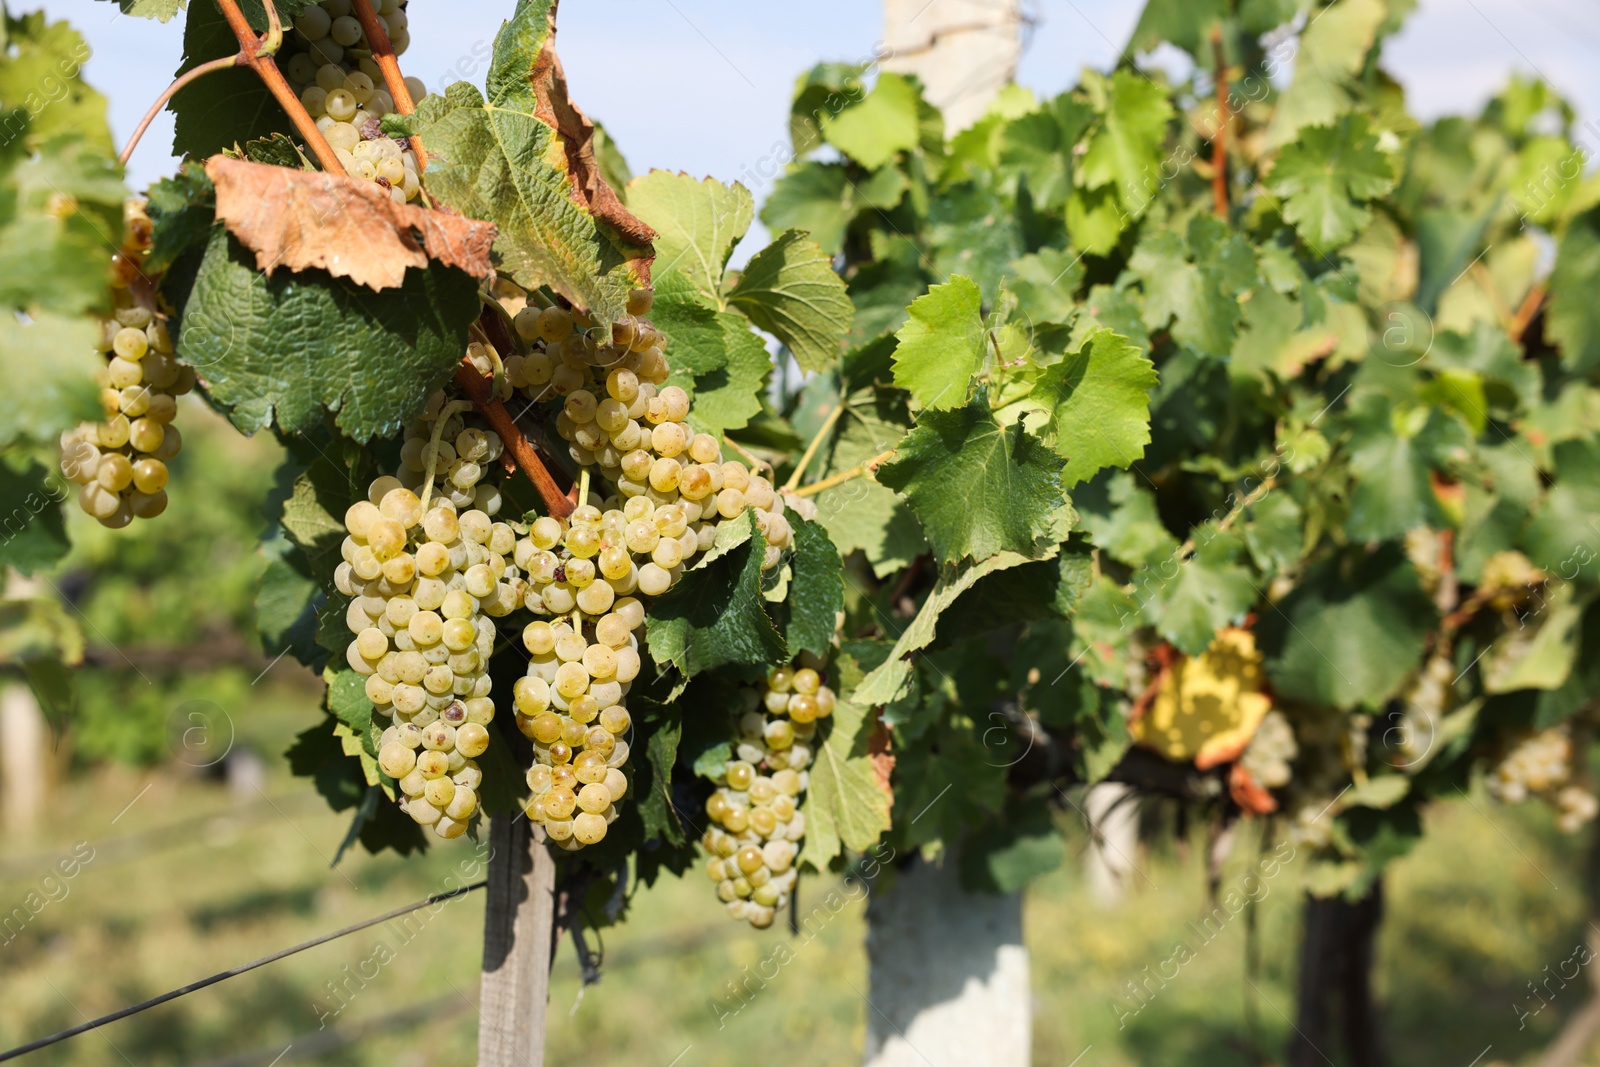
(121, 463)
(1541, 764)
(420, 583)
(330, 66)
(756, 808)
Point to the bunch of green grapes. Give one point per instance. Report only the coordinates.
(461, 451)
(329, 63)
(569, 704)
(1271, 751)
(756, 808)
(670, 489)
(121, 463)
(1541, 764)
(421, 580)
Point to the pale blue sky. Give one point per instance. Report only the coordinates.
(703, 85)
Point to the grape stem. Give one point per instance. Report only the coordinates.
(583, 487)
(383, 55)
(255, 52)
(225, 63)
(479, 392)
(844, 476)
(1250, 499)
(1525, 313)
(811, 449)
(755, 460)
(445, 414)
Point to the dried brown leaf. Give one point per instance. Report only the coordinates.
(346, 226)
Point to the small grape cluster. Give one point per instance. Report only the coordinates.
(756, 807)
(671, 488)
(569, 704)
(121, 463)
(1540, 764)
(330, 66)
(421, 579)
(460, 450)
(1271, 751)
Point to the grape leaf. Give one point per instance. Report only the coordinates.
(61, 204)
(1351, 633)
(859, 513)
(978, 488)
(1118, 512)
(160, 10)
(790, 290)
(889, 680)
(822, 199)
(942, 345)
(226, 107)
(1209, 591)
(1185, 23)
(50, 359)
(283, 350)
(42, 91)
(181, 211)
(884, 124)
(1098, 399)
(1573, 317)
(1325, 177)
(846, 804)
(1392, 457)
(1126, 149)
(1332, 52)
(32, 533)
(715, 615)
(1011, 850)
(816, 592)
(697, 224)
(504, 160)
(1199, 298)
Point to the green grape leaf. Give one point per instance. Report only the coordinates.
(226, 107)
(499, 160)
(42, 92)
(1185, 23)
(697, 224)
(885, 123)
(284, 350)
(285, 597)
(1095, 221)
(790, 290)
(62, 211)
(1326, 176)
(891, 679)
(50, 360)
(816, 592)
(1332, 53)
(846, 805)
(653, 789)
(860, 514)
(943, 344)
(822, 199)
(1351, 633)
(715, 614)
(1393, 454)
(978, 488)
(1011, 850)
(1573, 317)
(32, 533)
(160, 10)
(1118, 512)
(1127, 146)
(182, 210)
(1206, 592)
(715, 357)
(1098, 399)
(1199, 298)
(1540, 656)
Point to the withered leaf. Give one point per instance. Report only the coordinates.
(345, 226)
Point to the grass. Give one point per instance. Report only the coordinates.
(189, 877)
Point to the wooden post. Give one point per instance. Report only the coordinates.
(22, 757)
(1337, 1012)
(1114, 837)
(949, 974)
(516, 945)
(965, 51)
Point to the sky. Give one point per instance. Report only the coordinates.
(703, 86)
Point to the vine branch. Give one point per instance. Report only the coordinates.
(1525, 314)
(476, 386)
(224, 63)
(383, 55)
(844, 476)
(255, 52)
(1219, 140)
(811, 449)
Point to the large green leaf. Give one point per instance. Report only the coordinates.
(1098, 399)
(1573, 319)
(226, 107)
(715, 614)
(495, 159)
(1332, 52)
(1350, 633)
(42, 91)
(885, 123)
(50, 360)
(714, 356)
(979, 488)
(790, 290)
(284, 350)
(1325, 179)
(62, 210)
(816, 590)
(1126, 149)
(1194, 281)
(1203, 594)
(845, 804)
(942, 345)
(697, 224)
(822, 199)
(32, 534)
